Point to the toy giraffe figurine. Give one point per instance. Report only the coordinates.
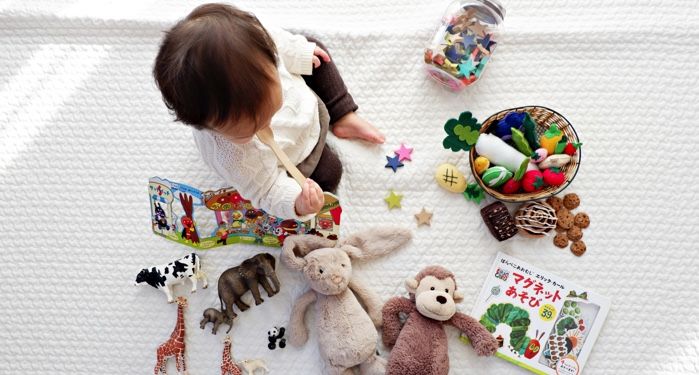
(228, 367)
(174, 347)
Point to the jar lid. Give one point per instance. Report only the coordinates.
(496, 7)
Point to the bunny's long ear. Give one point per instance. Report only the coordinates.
(296, 247)
(375, 242)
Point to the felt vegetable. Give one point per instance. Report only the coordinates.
(539, 155)
(532, 181)
(520, 142)
(462, 134)
(561, 145)
(522, 169)
(500, 153)
(572, 148)
(512, 186)
(496, 176)
(481, 164)
(529, 130)
(512, 120)
(450, 178)
(555, 161)
(550, 138)
(554, 177)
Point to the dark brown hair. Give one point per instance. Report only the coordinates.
(211, 67)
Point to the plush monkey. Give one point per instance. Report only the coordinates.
(420, 345)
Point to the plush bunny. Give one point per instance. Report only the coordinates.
(346, 333)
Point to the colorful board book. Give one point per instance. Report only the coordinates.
(209, 219)
(542, 322)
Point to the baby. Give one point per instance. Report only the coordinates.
(223, 73)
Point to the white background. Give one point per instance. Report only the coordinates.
(82, 127)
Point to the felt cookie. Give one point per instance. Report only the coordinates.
(582, 220)
(571, 201)
(555, 202)
(565, 218)
(561, 240)
(578, 248)
(574, 233)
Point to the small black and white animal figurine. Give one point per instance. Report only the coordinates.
(251, 365)
(166, 276)
(274, 335)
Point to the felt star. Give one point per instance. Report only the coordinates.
(469, 40)
(404, 153)
(466, 67)
(477, 28)
(453, 38)
(424, 217)
(485, 42)
(393, 200)
(393, 163)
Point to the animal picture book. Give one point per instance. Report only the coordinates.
(542, 322)
(209, 219)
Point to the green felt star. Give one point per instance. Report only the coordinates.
(462, 134)
(466, 67)
(474, 192)
(393, 200)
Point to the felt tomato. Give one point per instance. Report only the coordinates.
(532, 181)
(554, 177)
(511, 186)
(571, 148)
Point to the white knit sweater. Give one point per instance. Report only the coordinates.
(252, 168)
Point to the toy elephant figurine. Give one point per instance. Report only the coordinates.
(236, 281)
(216, 317)
(346, 333)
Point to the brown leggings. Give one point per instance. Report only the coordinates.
(327, 83)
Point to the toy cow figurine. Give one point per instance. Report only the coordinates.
(164, 277)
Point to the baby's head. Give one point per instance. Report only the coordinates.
(216, 69)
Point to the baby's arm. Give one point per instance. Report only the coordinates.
(254, 172)
(295, 51)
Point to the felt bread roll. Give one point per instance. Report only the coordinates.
(500, 153)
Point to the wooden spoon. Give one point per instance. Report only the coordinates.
(266, 136)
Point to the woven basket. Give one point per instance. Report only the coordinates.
(544, 117)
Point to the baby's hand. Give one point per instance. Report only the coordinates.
(310, 201)
(318, 52)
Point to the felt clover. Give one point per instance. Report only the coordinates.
(462, 134)
(474, 193)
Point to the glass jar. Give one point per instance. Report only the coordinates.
(463, 44)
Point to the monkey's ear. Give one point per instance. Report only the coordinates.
(458, 296)
(411, 285)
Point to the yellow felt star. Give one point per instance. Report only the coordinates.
(424, 217)
(393, 200)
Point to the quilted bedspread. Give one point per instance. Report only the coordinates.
(82, 128)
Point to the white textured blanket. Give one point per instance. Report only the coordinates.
(82, 127)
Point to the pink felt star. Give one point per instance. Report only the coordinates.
(404, 153)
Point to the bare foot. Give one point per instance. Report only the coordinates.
(352, 126)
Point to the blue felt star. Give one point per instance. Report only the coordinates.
(468, 40)
(485, 42)
(393, 163)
